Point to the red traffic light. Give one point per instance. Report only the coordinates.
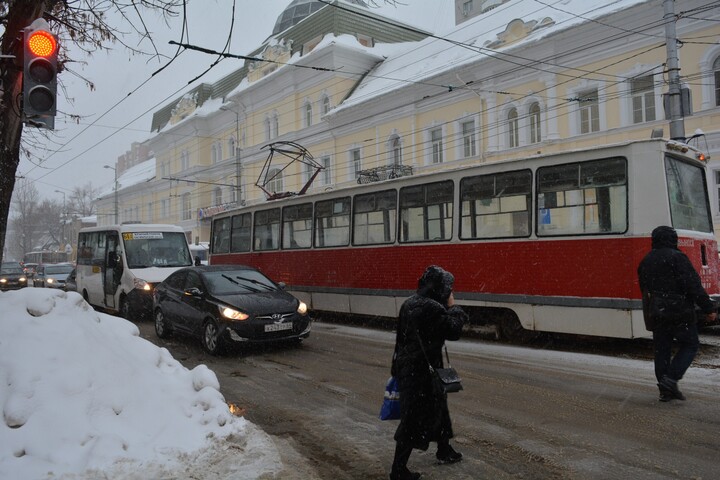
(42, 43)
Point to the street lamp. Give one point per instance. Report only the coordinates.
(237, 150)
(64, 216)
(116, 191)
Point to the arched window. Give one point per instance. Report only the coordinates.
(275, 181)
(268, 131)
(512, 120)
(395, 150)
(217, 196)
(716, 72)
(325, 102)
(535, 131)
(275, 126)
(231, 147)
(308, 114)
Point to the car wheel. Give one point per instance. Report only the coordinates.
(211, 337)
(125, 308)
(162, 326)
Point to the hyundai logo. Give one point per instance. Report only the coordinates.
(276, 317)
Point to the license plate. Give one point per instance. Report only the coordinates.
(276, 327)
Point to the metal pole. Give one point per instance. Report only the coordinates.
(677, 122)
(116, 197)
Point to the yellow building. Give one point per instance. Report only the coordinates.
(364, 94)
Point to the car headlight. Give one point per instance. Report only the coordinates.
(302, 308)
(50, 280)
(23, 279)
(3, 280)
(232, 314)
(141, 284)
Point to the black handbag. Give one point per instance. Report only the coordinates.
(445, 380)
(669, 309)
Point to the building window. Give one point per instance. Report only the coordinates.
(186, 207)
(215, 153)
(275, 126)
(217, 196)
(231, 147)
(150, 212)
(268, 131)
(275, 181)
(307, 172)
(468, 135)
(642, 92)
(436, 138)
(535, 131)
(164, 208)
(356, 161)
(512, 122)
(325, 102)
(184, 160)
(308, 114)
(716, 70)
(589, 111)
(467, 7)
(395, 150)
(326, 173)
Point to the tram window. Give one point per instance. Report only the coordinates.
(426, 212)
(332, 222)
(267, 229)
(374, 218)
(688, 203)
(297, 226)
(240, 233)
(221, 236)
(495, 205)
(582, 198)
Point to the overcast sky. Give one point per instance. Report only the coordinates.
(78, 152)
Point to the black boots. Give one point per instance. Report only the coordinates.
(447, 454)
(669, 390)
(405, 474)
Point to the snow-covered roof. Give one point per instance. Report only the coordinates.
(484, 35)
(142, 172)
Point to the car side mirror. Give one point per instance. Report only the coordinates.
(193, 292)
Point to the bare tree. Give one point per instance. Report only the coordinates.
(82, 200)
(25, 229)
(82, 23)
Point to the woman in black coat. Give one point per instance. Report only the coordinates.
(431, 317)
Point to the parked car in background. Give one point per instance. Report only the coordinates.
(53, 275)
(70, 282)
(228, 304)
(12, 276)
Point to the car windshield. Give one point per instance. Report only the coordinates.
(8, 269)
(58, 269)
(229, 282)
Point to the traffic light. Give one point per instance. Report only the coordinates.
(39, 75)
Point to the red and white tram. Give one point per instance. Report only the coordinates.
(548, 243)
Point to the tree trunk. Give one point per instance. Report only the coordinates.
(21, 13)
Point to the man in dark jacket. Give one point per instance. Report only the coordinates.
(666, 275)
(426, 320)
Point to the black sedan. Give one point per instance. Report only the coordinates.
(228, 304)
(12, 276)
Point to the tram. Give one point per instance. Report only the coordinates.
(546, 243)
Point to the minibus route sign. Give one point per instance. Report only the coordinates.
(142, 236)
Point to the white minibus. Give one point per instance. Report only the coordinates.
(118, 266)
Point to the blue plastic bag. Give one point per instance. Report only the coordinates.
(390, 409)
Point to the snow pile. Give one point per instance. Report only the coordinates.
(83, 396)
